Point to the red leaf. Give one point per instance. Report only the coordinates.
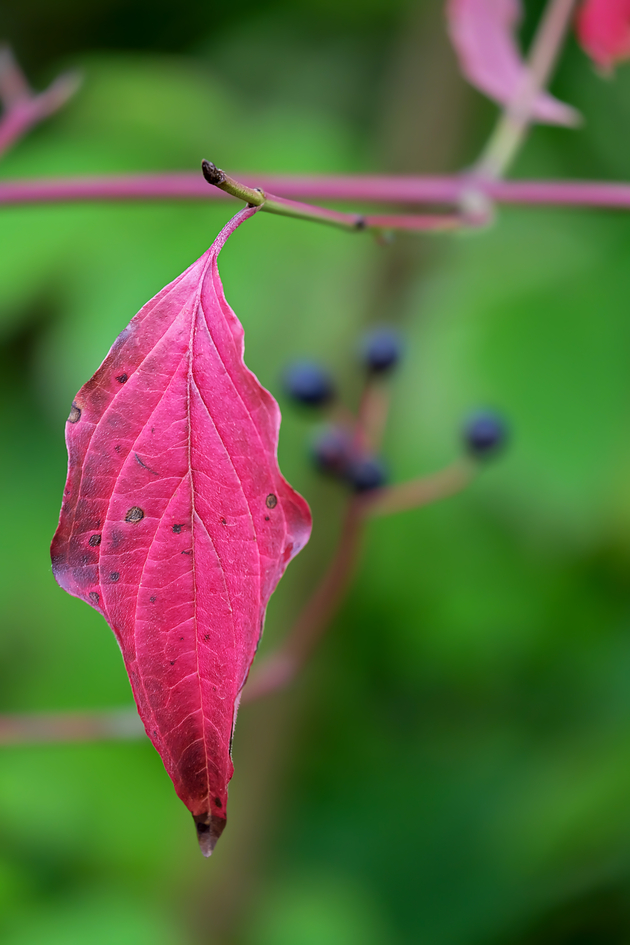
(603, 28)
(483, 34)
(177, 524)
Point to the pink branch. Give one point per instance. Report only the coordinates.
(41, 727)
(281, 668)
(22, 108)
(418, 492)
(402, 191)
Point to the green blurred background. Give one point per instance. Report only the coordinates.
(454, 766)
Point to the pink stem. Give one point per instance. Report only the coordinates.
(403, 191)
(279, 669)
(26, 112)
(21, 118)
(38, 728)
(399, 221)
(418, 492)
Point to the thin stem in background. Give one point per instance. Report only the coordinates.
(373, 413)
(421, 491)
(43, 727)
(22, 108)
(514, 122)
(281, 668)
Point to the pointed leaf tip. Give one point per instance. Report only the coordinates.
(177, 523)
(209, 829)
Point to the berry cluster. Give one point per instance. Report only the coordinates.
(335, 453)
(335, 450)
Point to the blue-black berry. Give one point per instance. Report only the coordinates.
(485, 433)
(331, 449)
(365, 473)
(308, 383)
(381, 350)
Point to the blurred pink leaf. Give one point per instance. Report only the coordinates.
(603, 28)
(177, 524)
(483, 34)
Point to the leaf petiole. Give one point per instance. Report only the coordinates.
(257, 197)
(280, 205)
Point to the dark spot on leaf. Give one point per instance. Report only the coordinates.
(187, 552)
(94, 541)
(118, 448)
(181, 638)
(122, 378)
(75, 414)
(217, 801)
(271, 501)
(266, 518)
(172, 662)
(94, 597)
(177, 529)
(134, 515)
(223, 521)
(114, 576)
(206, 636)
(152, 599)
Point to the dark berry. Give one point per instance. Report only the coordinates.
(366, 473)
(331, 449)
(308, 383)
(485, 433)
(381, 350)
